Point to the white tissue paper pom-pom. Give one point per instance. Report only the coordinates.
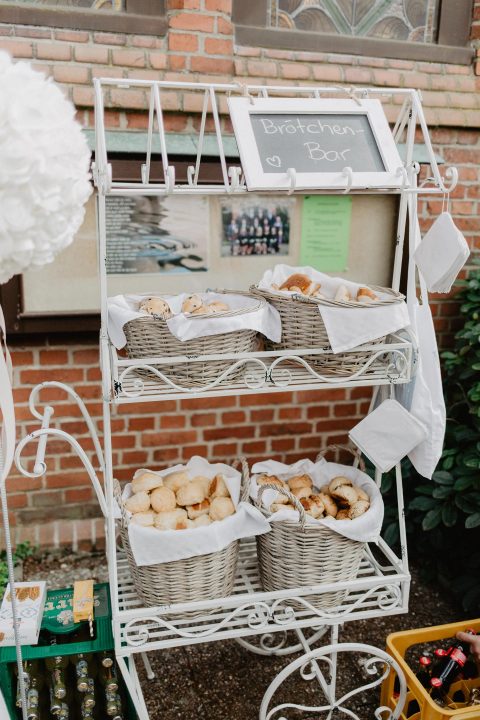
(44, 169)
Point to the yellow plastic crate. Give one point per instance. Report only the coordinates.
(397, 646)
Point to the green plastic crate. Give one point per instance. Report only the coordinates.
(58, 618)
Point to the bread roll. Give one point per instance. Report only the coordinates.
(218, 488)
(361, 494)
(329, 503)
(145, 480)
(276, 507)
(302, 492)
(366, 295)
(220, 508)
(345, 494)
(218, 307)
(204, 482)
(342, 294)
(337, 481)
(156, 306)
(325, 489)
(190, 494)
(192, 303)
(312, 507)
(140, 502)
(342, 515)
(201, 521)
(195, 511)
(299, 481)
(358, 508)
(163, 500)
(143, 518)
(264, 479)
(175, 480)
(202, 310)
(298, 282)
(172, 520)
(273, 480)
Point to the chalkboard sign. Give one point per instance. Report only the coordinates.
(316, 144)
(318, 138)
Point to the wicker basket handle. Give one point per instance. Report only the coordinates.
(295, 501)
(117, 494)
(242, 466)
(356, 454)
(242, 311)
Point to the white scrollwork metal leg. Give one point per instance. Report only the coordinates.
(275, 644)
(133, 686)
(148, 667)
(378, 665)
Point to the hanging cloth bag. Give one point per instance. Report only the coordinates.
(424, 398)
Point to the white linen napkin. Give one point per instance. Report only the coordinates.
(441, 254)
(365, 528)
(346, 327)
(388, 434)
(266, 320)
(151, 546)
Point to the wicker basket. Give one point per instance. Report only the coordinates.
(298, 553)
(150, 336)
(204, 577)
(303, 327)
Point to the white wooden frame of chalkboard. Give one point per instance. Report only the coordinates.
(242, 109)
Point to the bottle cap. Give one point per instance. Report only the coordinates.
(425, 661)
(436, 682)
(440, 652)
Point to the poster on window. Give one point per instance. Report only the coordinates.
(147, 234)
(256, 225)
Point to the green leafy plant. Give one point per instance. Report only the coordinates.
(443, 515)
(21, 552)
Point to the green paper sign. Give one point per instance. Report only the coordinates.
(325, 235)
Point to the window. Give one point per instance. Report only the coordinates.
(133, 16)
(431, 30)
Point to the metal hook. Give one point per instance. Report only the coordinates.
(191, 175)
(234, 174)
(245, 92)
(402, 172)
(170, 179)
(292, 176)
(347, 172)
(451, 173)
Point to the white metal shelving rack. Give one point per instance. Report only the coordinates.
(382, 585)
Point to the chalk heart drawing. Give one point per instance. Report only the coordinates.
(274, 161)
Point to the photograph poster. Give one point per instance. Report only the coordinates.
(151, 234)
(256, 225)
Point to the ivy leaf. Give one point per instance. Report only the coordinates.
(442, 493)
(432, 519)
(443, 478)
(473, 521)
(391, 534)
(422, 503)
(449, 515)
(463, 483)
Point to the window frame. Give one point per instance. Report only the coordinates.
(142, 17)
(251, 29)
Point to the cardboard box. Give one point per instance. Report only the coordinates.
(30, 604)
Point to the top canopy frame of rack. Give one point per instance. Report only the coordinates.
(214, 104)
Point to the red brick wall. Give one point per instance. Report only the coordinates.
(200, 45)
(60, 507)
